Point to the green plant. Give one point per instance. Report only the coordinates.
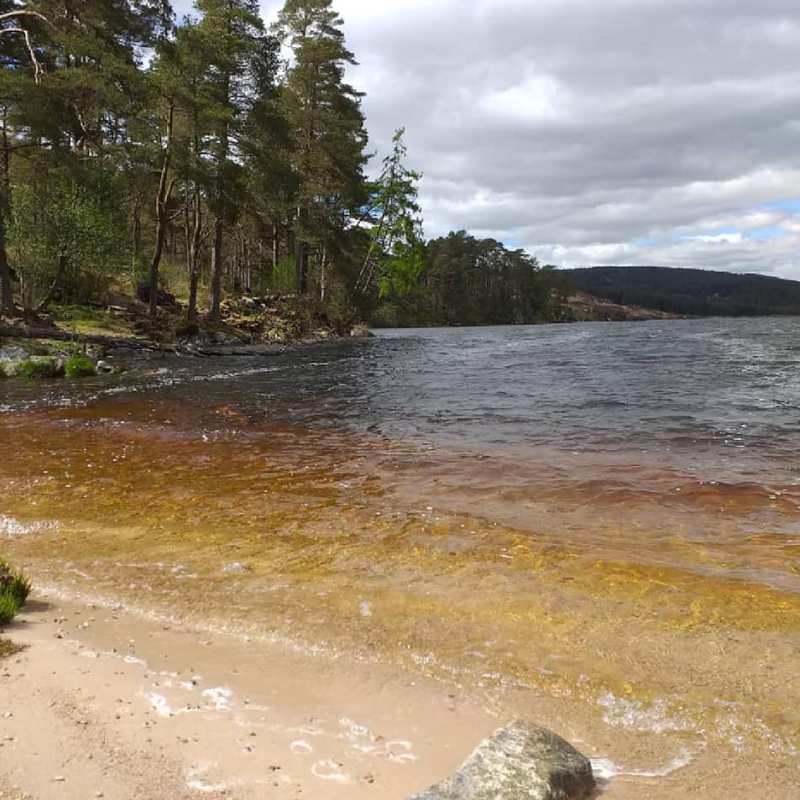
(187, 330)
(8, 608)
(40, 367)
(20, 588)
(79, 367)
(14, 591)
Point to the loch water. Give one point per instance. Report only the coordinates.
(598, 519)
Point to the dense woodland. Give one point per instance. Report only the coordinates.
(215, 153)
(469, 281)
(214, 156)
(692, 292)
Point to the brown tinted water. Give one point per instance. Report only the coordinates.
(635, 567)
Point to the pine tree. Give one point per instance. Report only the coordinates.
(326, 125)
(229, 31)
(395, 256)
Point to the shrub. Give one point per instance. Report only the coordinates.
(40, 367)
(20, 588)
(8, 608)
(79, 367)
(14, 591)
(187, 330)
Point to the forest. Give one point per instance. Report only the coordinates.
(205, 157)
(469, 281)
(691, 292)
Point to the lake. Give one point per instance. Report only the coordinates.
(596, 522)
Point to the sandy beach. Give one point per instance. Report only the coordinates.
(103, 703)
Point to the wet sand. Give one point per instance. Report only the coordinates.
(107, 704)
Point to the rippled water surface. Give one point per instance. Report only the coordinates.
(602, 514)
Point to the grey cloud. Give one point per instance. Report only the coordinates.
(579, 128)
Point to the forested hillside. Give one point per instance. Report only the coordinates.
(138, 151)
(692, 292)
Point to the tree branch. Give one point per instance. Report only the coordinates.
(37, 67)
(16, 15)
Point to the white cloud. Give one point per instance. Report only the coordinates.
(719, 238)
(594, 131)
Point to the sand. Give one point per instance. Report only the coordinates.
(102, 704)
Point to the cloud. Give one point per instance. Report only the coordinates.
(621, 131)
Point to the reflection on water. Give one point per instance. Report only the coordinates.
(602, 513)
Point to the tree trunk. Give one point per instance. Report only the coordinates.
(58, 280)
(322, 275)
(216, 270)
(276, 248)
(165, 185)
(6, 287)
(219, 211)
(301, 254)
(194, 254)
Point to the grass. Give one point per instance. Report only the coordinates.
(90, 320)
(7, 649)
(79, 367)
(39, 367)
(14, 591)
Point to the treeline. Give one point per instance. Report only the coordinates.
(691, 292)
(467, 281)
(129, 140)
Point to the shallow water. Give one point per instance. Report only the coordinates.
(603, 515)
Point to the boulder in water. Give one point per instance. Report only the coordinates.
(519, 762)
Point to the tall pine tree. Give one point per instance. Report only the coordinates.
(324, 116)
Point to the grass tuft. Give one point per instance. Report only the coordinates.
(9, 648)
(40, 367)
(79, 367)
(14, 591)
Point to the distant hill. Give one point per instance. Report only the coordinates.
(693, 292)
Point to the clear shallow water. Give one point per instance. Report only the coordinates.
(603, 513)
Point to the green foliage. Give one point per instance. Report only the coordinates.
(187, 330)
(469, 281)
(395, 258)
(14, 591)
(9, 608)
(86, 320)
(253, 165)
(66, 229)
(79, 367)
(282, 278)
(40, 367)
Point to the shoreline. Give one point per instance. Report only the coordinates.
(107, 703)
(426, 595)
(119, 706)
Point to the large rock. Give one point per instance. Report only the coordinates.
(519, 762)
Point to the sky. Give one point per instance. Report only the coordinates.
(591, 132)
